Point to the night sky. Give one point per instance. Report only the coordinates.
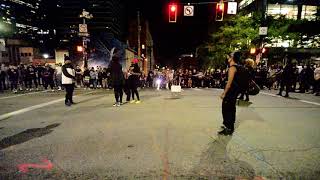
(173, 39)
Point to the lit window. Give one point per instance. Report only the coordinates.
(289, 11)
(308, 12)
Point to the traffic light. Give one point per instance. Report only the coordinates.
(219, 11)
(173, 8)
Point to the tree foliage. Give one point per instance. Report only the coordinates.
(242, 32)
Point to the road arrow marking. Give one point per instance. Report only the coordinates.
(25, 167)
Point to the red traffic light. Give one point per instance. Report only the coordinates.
(173, 8)
(219, 11)
(173, 13)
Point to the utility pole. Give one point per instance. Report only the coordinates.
(83, 31)
(139, 31)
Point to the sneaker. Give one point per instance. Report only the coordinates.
(138, 102)
(133, 101)
(225, 132)
(117, 104)
(30, 89)
(68, 104)
(52, 90)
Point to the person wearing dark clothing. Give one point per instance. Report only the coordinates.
(78, 76)
(2, 80)
(13, 78)
(117, 79)
(286, 79)
(230, 94)
(31, 77)
(47, 76)
(126, 87)
(150, 79)
(68, 78)
(306, 76)
(249, 74)
(134, 77)
(86, 78)
(39, 70)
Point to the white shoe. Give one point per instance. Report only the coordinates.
(117, 104)
(30, 89)
(52, 90)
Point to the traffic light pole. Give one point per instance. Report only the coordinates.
(84, 45)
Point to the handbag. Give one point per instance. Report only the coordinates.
(253, 88)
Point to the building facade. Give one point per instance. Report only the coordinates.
(147, 60)
(25, 23)
(291, 9)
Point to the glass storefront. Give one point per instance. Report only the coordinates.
(291, 11)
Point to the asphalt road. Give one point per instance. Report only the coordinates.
(164, 137)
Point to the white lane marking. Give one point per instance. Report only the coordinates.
(309, 102)
(10, 114)
(274, 95)
(8, 97)
(304, 101)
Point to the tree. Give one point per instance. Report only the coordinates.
(242, 32)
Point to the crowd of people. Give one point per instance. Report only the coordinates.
(29, 77)
(302, 78)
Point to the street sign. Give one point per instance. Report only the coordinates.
(263, 31)
(188, 11)
(83, 28)
(232, 8)
(83, 34)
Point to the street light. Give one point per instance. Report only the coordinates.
(46, 56)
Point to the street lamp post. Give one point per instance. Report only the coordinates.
(83, 31)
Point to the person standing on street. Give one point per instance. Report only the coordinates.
(2, 79)
(31, 77)
(48, 73)
(13, 78)
(230, 94)
(117, 80)
(286, 79)
(317, 81)
(134, 79)
(58, 76)
(78, 77)
(68, 77)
